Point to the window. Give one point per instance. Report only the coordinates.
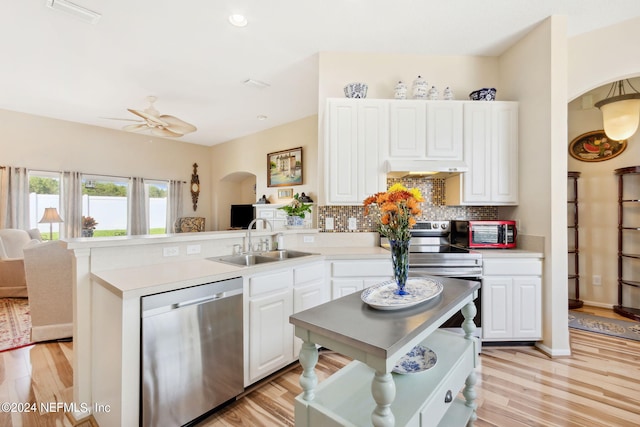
(105, 200)
(44, 192)
(157, 203)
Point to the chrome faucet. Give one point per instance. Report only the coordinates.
(248, 235)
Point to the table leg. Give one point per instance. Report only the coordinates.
(308, 360)
(469, 312)
(383, 389)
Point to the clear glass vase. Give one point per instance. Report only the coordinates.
(400, 260)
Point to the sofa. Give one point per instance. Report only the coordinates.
(12, 276)
(49, 274)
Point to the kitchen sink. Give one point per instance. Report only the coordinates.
(280, 254)
(245, 259)
(261, 257)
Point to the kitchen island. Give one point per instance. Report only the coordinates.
(366, 392)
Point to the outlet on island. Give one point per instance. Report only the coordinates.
(353, 224)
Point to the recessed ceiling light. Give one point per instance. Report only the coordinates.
(73, 9)
(238, 20)
(262, 117)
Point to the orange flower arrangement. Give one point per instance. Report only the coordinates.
(395, 211)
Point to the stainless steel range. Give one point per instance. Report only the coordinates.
(431, 253)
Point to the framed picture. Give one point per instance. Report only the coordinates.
(284, 168)
(285, 193)
(595, 146)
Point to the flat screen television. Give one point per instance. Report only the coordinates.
(242, 215)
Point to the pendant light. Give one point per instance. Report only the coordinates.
(620, 111)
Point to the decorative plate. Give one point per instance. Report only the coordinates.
(419, 359)
(382, 296)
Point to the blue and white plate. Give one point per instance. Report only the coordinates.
(419, 359)
(382, 296)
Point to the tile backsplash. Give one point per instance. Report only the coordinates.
(433, 208)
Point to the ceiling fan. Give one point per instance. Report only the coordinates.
(159, 124)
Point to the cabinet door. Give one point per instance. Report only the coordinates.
(444, 131)
(270, 334)
(343, 287)
(527, 303)
(305, 297)
(504, 153)
(357, 139)
(477, 151)
(407, 127)
(342, 152)
(497, 308)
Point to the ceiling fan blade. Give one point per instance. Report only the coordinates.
(165, 132)
(177, 124)
(136, 128)
(152, 120)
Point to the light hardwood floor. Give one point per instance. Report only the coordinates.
(599, 385)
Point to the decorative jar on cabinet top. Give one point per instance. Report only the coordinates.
(400, 91)
(420, 88)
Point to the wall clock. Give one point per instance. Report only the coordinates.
(195, 186)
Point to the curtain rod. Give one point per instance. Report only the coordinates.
(95, 174)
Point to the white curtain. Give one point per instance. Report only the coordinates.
(71, 205)
(14, 198)
(138, 223)
(174, 204)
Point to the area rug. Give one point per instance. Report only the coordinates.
(15, 323)
(602, 325)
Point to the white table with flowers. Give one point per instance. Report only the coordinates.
(366, 391)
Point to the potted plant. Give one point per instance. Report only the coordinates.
(296, 211)
(88, 225)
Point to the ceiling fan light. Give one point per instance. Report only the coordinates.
(620, 117)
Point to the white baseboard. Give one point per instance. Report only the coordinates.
(553, 353)
(598, 304)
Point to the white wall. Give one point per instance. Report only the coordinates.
(534, 70)
(42, 143)
(248, 156)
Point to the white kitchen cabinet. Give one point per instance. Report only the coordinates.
(490, 132)
(349, 276)
(425, 130)
(270, 337)
(270, 298)
(512, 299)
(356, 141)
(309, 290)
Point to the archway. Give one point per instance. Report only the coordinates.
(235, 188)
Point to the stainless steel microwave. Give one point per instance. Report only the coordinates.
(484, 234)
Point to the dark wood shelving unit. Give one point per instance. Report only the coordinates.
(574, 252)
(627, 275)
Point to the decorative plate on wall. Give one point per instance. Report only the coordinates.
(595, 146)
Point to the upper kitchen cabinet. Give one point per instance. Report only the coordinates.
(425, 130)
(356, 141)
(491, 152)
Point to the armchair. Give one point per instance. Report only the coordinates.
(189, 224)
(12, 277)
(49, 274)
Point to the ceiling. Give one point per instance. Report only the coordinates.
(190, 57)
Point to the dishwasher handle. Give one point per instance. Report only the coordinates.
(202, 300)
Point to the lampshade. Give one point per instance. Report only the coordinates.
(50, 216)
(621, 112)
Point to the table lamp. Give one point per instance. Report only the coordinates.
(50, 216)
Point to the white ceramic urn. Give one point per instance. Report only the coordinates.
(420, 88)
(400, 91)
(433, 94)
(447, 94)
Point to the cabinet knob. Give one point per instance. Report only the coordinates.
(448, 397)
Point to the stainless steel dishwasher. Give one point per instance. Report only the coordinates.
(191, 352)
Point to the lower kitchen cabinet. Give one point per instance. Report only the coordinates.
(349, 276)
(512, 299)
(270, 298)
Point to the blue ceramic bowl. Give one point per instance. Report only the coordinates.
(484, 94)
(356, 90)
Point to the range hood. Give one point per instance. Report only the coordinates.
(425, 168)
